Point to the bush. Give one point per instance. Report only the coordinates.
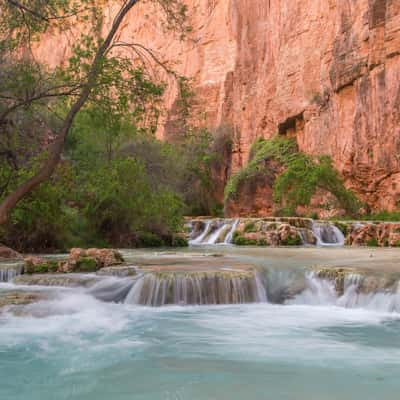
(250, 227)
(148, 239)
(86, 264)
(40, 221)
(41, 268)
(121, 203)
(240, 240)
(179, 241)
(292, 241)
(373, 242)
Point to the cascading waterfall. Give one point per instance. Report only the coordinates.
(319, 291)
(327, 234)
(221, 231)
(199, 239)
(199, 288)
(216, 232)
(229, 236)
(9, 271)
(112, 289)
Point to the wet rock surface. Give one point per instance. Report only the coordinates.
(18, 298)
(122, 271)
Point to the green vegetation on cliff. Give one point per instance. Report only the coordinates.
(301, 177)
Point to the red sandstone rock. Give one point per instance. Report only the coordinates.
(6, 252)
(325, 71)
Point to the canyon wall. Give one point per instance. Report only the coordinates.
(325, 71)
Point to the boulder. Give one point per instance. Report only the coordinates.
(9, 254)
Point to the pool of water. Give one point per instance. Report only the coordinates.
(77, 347)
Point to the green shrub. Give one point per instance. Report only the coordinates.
(292, 241)
(86, 264)
(121, 203)
(262, 242)
(250, 227)
(179, 241)
(41, 268)
(148, 239)
(240, 240)
(40, 222)
(373, 242)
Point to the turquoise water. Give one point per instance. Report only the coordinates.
(76, 347)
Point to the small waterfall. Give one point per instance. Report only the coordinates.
(112, 289)
(327, 234)
(229, 236)
(9, 271)
(216, 232)
(198, 288)
(320, 291)
(219, 234)
(199, 239)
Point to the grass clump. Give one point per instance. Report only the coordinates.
(383, 216)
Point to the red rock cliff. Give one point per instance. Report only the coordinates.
(327, 71)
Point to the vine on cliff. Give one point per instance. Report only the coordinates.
(301, 178)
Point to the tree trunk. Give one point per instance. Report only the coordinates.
(57, 147)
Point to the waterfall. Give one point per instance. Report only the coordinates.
(321, 291)
(221, 231)
(9, 271)
(197, 288)
(229, 236)
(219, 234)
(199, 239)
(216, 232)
(327, 234)
(112, 289)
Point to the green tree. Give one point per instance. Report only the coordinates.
(30, 91)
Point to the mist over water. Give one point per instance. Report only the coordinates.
(78, 344)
